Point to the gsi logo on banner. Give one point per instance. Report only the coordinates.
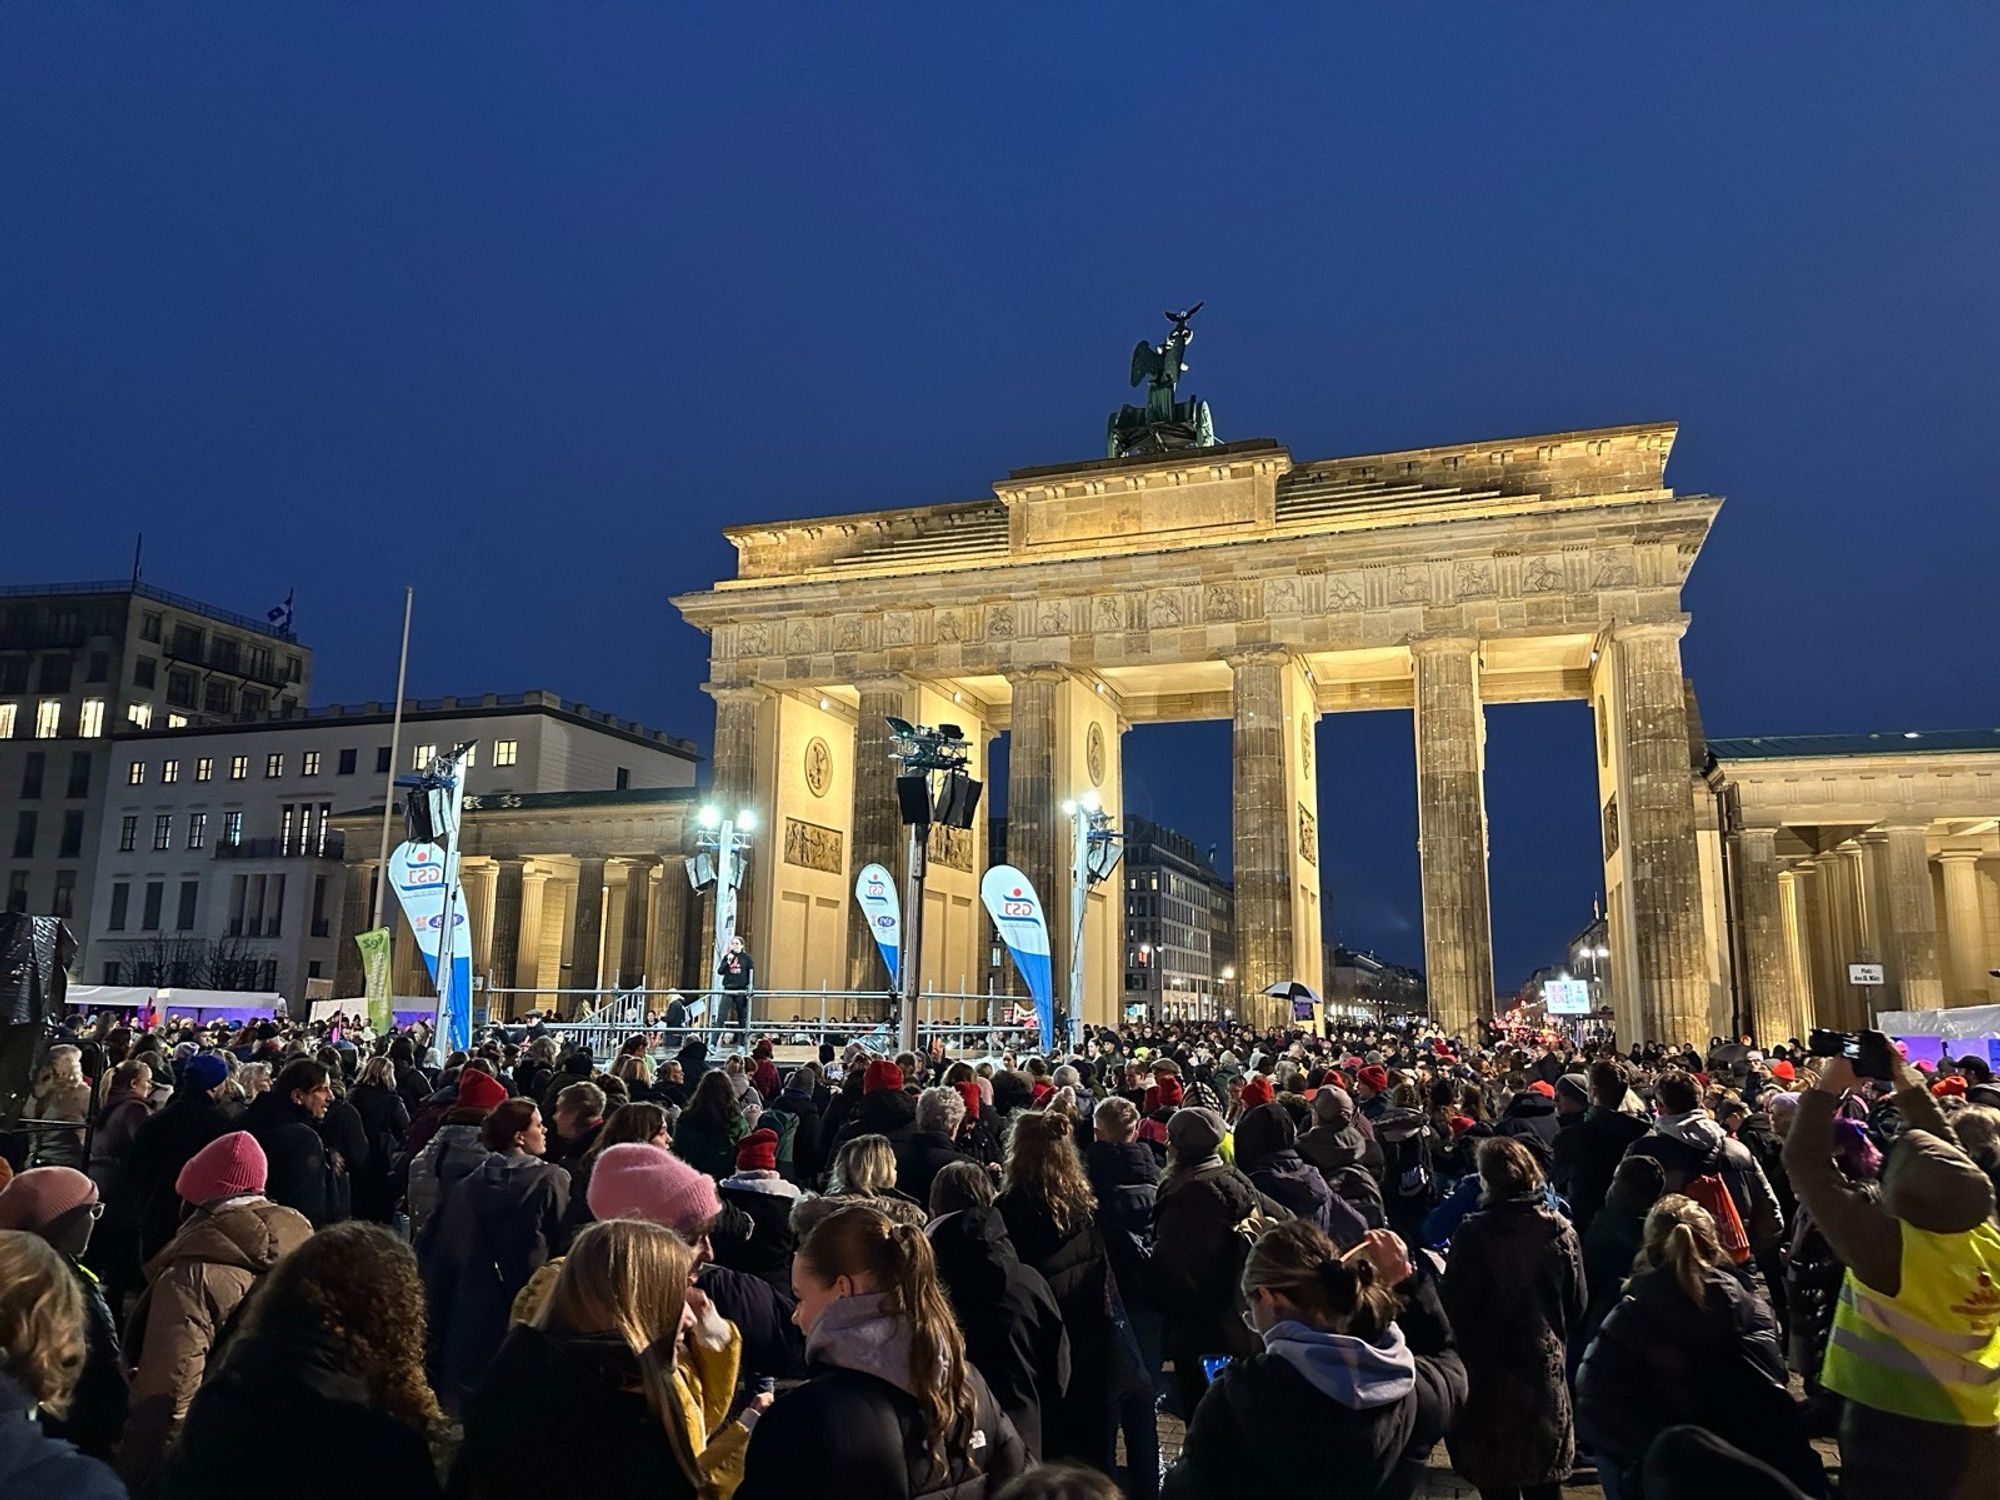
(424, 875)
(1013, 907)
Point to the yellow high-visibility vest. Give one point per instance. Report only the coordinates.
(1932, 1351)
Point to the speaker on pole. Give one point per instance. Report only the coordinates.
(913, 799)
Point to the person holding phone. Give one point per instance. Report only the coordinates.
(1915, 1348)
(736, 971)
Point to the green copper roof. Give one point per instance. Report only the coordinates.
(1887, 742)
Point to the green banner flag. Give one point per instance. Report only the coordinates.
(374, 946)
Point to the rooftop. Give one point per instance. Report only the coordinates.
(145, 591)
(1882, 742)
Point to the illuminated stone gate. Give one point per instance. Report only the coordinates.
(1224, 582)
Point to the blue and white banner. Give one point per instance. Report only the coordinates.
(418, 875)
(875, 893)
(1017, 914)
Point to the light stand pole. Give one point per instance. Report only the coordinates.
(727, 839)
(1094, 854)
(923, 754)
(445, 775)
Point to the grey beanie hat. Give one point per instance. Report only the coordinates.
(1196, 1133)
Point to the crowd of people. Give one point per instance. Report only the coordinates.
(319, 1262)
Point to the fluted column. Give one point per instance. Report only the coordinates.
(665, 961)
(528, 947)
(1964, 926)
(1451, 830)
(504, 952)
(1767, 973)
(1031, 795)
(1791, 903)
(1909, 921)
(1665, 863)
(638, 906)
(586, 955)
(1262, 821)
(1841, 908)
(357, 892)
(878, 827)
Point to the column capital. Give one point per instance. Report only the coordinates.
(724, 692)
(1671, 628)
(1872, 838)
(1451, 644)
(1244, 656)
(1042, 672)
(1765, 839)
(884, 682)
(535, 874)
(1960, 856)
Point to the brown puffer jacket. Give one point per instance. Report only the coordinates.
(193, 1287)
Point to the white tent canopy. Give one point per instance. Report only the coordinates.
(1962, 1023)
(107, 996)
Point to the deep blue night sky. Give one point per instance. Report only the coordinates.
(522, 302)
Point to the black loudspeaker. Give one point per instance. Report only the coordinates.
(958, 801)
(913, 798)
(35, 955)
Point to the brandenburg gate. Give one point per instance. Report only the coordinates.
(1233, 581)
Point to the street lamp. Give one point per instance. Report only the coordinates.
(1096, 849)
(925, 753)
(722, 849)
(1228, 982)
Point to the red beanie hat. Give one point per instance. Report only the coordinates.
(638, 1180)
(477, 1090)
(1949, 1088)
(882, 1074)
(1375, 1076)
(230, 1166)
(758, 1152)
(36, 1199)
(1165, 1094)
(1040, 1092)
(969, 1092)
(1543, 1087)
(1257, 1090)
(1783, 1071)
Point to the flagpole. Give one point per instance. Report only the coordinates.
(395, 749)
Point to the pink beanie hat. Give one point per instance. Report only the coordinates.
(40, 1196)
(229, 1166)
(641, 1181)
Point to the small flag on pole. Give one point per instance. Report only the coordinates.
(281, 615)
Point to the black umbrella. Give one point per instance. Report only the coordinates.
(1292, 989)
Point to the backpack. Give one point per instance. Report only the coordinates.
(1409, 1178)
(1712, 1193)
(786, 1124)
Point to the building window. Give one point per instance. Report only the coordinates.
(91, 724)
(624, 782)
(149, 913)
(285, 831)
(79, 774)
(232, 828)
(204, 768)
(274, 764)
(163, 831)
(239, 767)
(17, 891)
(145, 671)
(24, 836)
(345, 765)
(198, 830)
(177, 721)
(422, 756)
(149, 626)
(253, 705)
(111, 972)
(382, 753)
(140, 714)
(8, 713)
(71, 846)
(295, 669)
(182, 689)
(99, 668)
(506, 752)
(325, 812)
(268, 974)
(55, 674)
(48, 718)
(215, 697)
(135, 774)
(471, 754)
(170, 772)
(31, 774)
(260, 663)
(65, 902)
(309, 763)
(128, 833)
(190, 894)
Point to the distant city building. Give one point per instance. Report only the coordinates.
(1358, 985)
(219, 863)
(1179, 927)
(82, 665)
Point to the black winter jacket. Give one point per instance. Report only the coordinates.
(846, 1435)
(1262, 1416)
(34, 1466)
(1660, 1361)
(808, 1145)
(160, 1148)
(1013, 1329)
(889, 1112)
(298, 1177)
(1286, 1178)
(1198, 1256)
(1126, 1180)
(102, 1399)
(920, 1156)
(1586, 1155)
(385, 1121)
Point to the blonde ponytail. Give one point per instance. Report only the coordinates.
(1680, 1237)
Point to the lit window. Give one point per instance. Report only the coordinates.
(48, 718)
(232, 828)
(197, 830)
(135, 774)
(285, 835)
(472, 753)
(274, 764)
(506, 752)
(128, 837)
(423, 756)
(309, 763)
(138, 713)
(239, 767)
(6, 721)
(204, 768)
(91, 725)
(163, 831)
(177, 721)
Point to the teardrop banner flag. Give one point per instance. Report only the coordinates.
(875, 893)
(418, 876)
(1017, 914)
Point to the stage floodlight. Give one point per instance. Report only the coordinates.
(746, 821)
(709, 816)
(1069, 809)
(951, 731)
(901, 729)
(1091, 802)
(1103, 859)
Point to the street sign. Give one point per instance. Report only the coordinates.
(1864, 973)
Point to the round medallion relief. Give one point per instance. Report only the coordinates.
(1093, 754)
(819, 766)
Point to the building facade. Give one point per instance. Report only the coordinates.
(82, 665)
(222, 853)
(1180, 942)
(1362, 987)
